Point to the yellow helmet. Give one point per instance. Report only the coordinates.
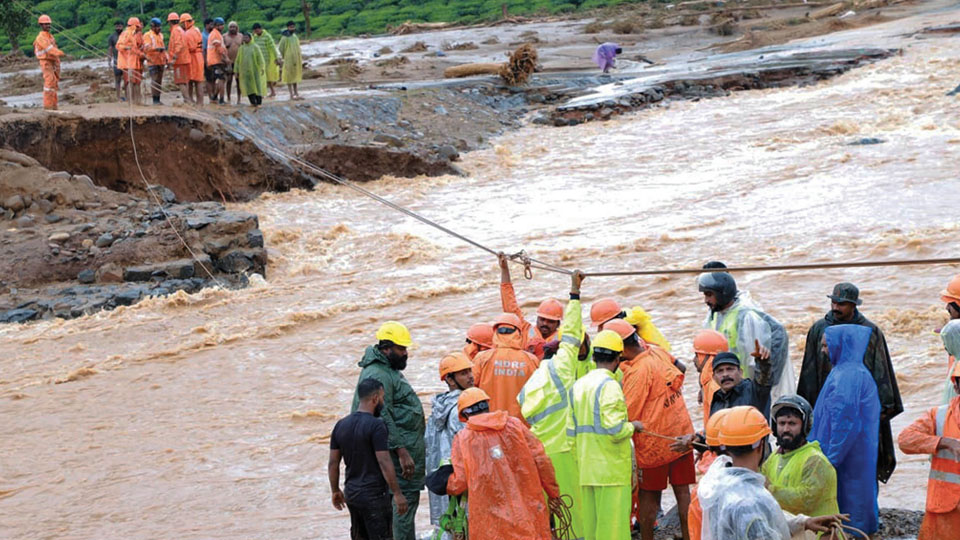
(395, 332)
(608, 339)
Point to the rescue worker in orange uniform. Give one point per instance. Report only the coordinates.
(130, 60)
(194, 42)
(156, 55)
(479, 339)
(178, 56)
(653, 387)
(712, 432)
(706, 345)
(47, 53)
(217, 60)
(937, 433)
(503, 467)
(603, 310)
(502, 371)
(549, 314)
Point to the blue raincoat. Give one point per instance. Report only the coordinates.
(846, 422)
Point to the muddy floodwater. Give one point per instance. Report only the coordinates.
(208, 415)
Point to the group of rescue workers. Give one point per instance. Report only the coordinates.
(547, 431)
(204, 62)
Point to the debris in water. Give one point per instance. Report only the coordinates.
(416, 47)
(522, 64)
(76, 375)
(867, 140)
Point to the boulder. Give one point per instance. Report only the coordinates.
(109, 273)
(87, 276)
(14, 203)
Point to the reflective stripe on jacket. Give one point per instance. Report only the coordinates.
(544, 399)
(598, 424)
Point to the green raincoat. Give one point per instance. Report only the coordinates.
(249, 67)
(803, 481)
(268, 48)
(289, 47)
(402, 412)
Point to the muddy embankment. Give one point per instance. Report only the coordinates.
(82, 232)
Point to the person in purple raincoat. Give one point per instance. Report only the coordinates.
(605, 56)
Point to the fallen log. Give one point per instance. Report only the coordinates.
(469, 70)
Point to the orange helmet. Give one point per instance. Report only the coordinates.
(714, 425)
(603, 310)
(507, 319)
(173, 17)
(710, 342)
(621, 327)
(133, 21)
(952, 292)
(743, 426)
(185, 17)
(550, 309)
(481, 334)
(470, 396)
(453, 363)
(44, 19)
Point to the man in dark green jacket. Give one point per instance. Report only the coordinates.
(403, 414)
(816, 367)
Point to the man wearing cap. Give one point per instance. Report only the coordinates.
(505, 471)
(403, 414)
(456, 370)
(156, 57)
(549, 313)
(735, 390)
(816, 366)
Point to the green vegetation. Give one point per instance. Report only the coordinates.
(92, 20)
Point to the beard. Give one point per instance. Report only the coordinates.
(789, 442)
(378, 409)
(397, 361)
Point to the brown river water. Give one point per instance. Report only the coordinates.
(207, 416)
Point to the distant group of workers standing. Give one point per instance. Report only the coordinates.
(547, 431)
(206, 62)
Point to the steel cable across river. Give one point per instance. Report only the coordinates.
(207, 415)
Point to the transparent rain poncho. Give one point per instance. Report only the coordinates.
(950, 334)
(736, 506)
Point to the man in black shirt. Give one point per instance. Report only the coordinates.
(735, 390)
(361, 439)
(112, 60)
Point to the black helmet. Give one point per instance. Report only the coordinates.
(796, 403)
(722, 284)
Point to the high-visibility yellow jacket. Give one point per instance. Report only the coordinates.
(803, 481)
(600, 430)
(544, 399)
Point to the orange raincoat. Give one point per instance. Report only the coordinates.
(502, 371)
(46, 51)
(194, 42)
(216, 52)
(942, 517)
(130, 54)
(694, 516)
(179, 55)
(503, 467)
(653, 387)
(533, 341)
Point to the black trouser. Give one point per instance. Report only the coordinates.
(255, 99)
(371, 517)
